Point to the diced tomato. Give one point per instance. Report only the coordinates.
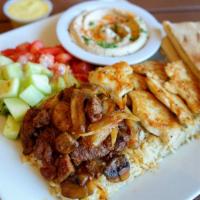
(63, 58)
(47, 60)
(79, 67)
(23, 47)
(51, 50)
(14, 57)
(59, 68)
(8, 52)
(82, 77)
(36, 46)
(24, 58)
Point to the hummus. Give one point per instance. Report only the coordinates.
(109, 32)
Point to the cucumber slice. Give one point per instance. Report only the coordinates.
(33, 68)
(47, 72)
(31, 95)
(5, 60)
(16, 107)
(11, 128)
(41, 82)
(11, 71)
(9, 88)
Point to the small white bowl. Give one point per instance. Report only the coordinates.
(19, 22)
(149, 49)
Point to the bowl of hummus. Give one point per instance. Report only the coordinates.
(104, 32)
(109, 32)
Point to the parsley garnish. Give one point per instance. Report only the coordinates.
(107, 45)
(86, 39)
(143, 31)
(133, 38)
(91, 23)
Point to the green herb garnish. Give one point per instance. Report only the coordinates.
(143, 31)
(133, 38)
(86, 39)
(91, 23)
(107, 45)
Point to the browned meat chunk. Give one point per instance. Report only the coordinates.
(27, 131)
(48, 172)
(41, 119)
(95, 167)
(61, 116)
(118, 169)
(122, 141)
(65, 143)
(86, 153)
(94, 109)
(43, 151)
(64, 168)
(66, 94)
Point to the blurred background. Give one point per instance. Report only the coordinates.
(174, 10)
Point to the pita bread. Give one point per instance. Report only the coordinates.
(169, 50)
(185, 37)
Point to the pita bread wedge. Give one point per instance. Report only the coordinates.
(169, 50)
(185, 37)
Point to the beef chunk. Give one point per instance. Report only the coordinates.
(61, 116)
(86, 153)
(122, 141)
(64, 168)
(41, 119)
(27, 131)
(94, 109)
(65, 143)
(48, 172)
(95, 167)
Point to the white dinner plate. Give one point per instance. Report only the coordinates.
(177, 178)
(149, 49)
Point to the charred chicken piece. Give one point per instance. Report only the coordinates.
(65, 143)
(94, 109)
(61, 116)
(118, 169)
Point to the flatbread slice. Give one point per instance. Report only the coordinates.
(169, 50)
(185, 37)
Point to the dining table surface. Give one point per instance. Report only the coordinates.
(173, 10)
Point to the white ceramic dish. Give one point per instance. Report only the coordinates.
(177, 178)
(149, 49)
